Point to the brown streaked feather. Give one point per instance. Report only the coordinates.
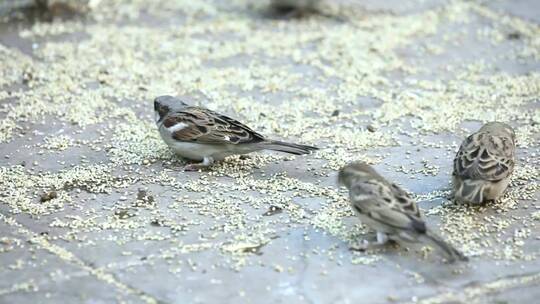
(485, 156)
(406, 203)
(206, 126)
(391, 205)
(397, 198)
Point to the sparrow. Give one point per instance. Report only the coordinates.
(388, 209)
(484, 164)
(199, 134)
(294, 8)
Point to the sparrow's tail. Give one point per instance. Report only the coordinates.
(452, 253)
(287, 147)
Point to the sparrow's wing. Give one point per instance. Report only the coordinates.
(378, 201)
(485, 157)
(196, 124)
(404, 203)
(397, 198)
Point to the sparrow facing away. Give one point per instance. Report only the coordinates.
(200, 134)
(388, 209)
(484, 163)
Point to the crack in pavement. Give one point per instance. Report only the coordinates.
(67, 256)
(466, 295)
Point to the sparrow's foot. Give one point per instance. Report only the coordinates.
(362, 246)
(174, 165)
(382, 240)
(207, 162)
(193, 167)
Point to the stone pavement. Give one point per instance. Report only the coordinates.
(94, 208)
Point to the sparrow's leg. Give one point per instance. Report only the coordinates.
(382, 238)
(207, 162)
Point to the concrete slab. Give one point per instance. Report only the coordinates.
(94, 208)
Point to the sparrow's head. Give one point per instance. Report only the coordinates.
(166, 104)
(355, 171)
(499, 129)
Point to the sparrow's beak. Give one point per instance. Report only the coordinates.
(157, 116)
(160, 109)
(341, 178)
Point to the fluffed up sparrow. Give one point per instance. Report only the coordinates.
(484, 163)
(388, 209)
(199, 134)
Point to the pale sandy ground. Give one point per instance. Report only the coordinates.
(95, 209)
